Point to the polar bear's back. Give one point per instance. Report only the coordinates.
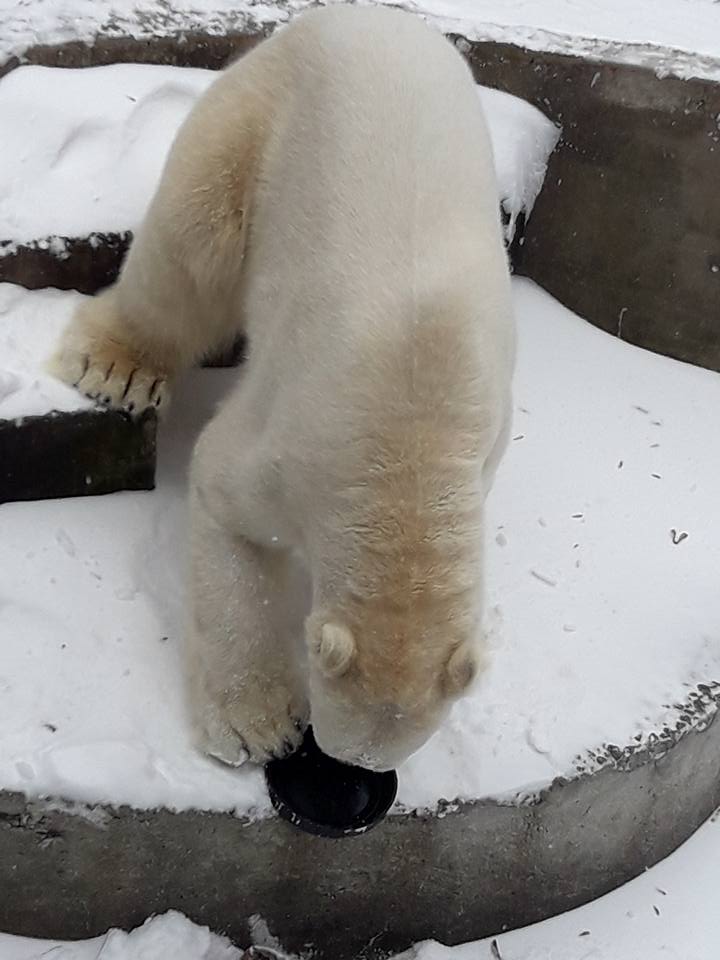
(375, 245)
(395, 123)
(380, 168)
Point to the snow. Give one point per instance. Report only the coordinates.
(680, 37)
(522, 140)
(668, 913)
(82, 153)
(613, 449)
(608, 484)
(97, 594)
(671, 37)
(83, 149)
(30, 325)
(169, 937)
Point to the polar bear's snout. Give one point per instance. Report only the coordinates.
(371, 713)
(375, 736)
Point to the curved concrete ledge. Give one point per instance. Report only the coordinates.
(625, 230)
(470, 870)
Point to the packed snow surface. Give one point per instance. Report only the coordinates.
(82, 153)
(83, 149)
(603, 549)
(30, 325)
(671, 36)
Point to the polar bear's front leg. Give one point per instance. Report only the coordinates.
(247, 695)
(176, 299)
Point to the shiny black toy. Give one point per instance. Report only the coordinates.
(325, 797)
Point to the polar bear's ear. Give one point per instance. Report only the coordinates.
(336, 649)
(461, 669)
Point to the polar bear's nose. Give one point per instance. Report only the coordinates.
(368, 762)
(360, 758)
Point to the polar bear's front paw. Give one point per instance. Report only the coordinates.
(241, 728)
(106, 370)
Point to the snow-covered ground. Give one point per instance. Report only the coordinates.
(681, 37)
(604, 545)
(669, 913)
(604, 530)
(29, 328)
(82, 150)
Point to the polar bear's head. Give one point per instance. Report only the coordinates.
(380, 687)
(394, 636)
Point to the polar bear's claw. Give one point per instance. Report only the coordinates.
(108, 373)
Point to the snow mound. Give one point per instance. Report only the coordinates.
(30, 325)
(169, 937)
(603, 545)
(522, 140)
(83, 149)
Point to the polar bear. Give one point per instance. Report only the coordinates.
(333, 196)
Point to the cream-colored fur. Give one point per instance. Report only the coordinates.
(333, 195)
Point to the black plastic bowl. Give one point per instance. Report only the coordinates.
(325, 797)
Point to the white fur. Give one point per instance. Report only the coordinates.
(333, 195)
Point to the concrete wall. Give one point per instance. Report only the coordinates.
(626, 230)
